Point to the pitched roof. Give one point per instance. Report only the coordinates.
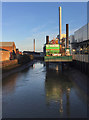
(5, 44)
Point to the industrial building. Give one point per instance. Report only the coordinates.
(80, 40)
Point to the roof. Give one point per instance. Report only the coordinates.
(81, 43)
(5, 44)
(31, 52)
(3, 49)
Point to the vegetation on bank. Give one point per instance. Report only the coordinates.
(25, 59)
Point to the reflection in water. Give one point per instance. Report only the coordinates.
(9, 83)
(80, 93)
(56, 85)
(68, 102)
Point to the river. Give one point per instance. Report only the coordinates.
(37, 93)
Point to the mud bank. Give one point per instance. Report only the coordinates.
(16, 69)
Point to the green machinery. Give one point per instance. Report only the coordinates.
(53, 54)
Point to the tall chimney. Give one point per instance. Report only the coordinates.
(47, 39)
(34, 45)
(60, 25)
(67, 36)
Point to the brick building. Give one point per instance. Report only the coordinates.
(10, 46)
(5, 49)
(4, 55)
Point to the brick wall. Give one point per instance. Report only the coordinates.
(8, 63)
(4, 55)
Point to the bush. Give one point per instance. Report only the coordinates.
(24, 59)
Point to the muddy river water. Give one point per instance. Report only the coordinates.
(37, 93)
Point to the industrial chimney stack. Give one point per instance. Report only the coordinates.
(47, 39)
(60, 25)
(67, 40)
(34, 45)
(67, 36)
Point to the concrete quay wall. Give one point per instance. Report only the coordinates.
(81, 62)
(81, 57)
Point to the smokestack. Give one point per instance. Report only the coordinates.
(47, 39)
(34, 45)
(67, 36)
(60, 25)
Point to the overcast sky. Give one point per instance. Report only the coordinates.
(24, 21)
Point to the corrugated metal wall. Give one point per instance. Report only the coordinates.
(88, 31)
(82, 34)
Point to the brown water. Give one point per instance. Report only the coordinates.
(38, 93)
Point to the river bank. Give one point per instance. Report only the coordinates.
(17, 68)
